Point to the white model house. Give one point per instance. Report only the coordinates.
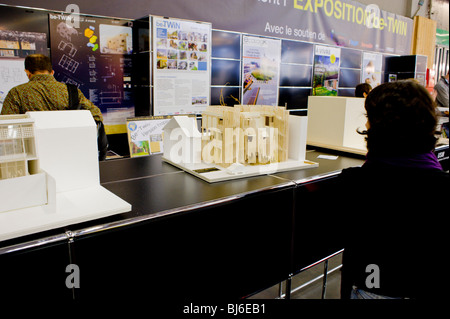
(17, 146)
(182, 140)
(22, 184)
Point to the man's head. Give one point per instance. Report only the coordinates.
(38, 64)
(362, 90)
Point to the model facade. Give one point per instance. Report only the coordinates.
(245, 134)
(17, 146)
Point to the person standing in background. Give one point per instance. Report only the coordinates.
(362, 90)
(44, 93)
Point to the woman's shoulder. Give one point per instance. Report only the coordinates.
(387, 173)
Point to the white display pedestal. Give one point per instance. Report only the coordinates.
(215, 173)
(66, 143)
(333, 123)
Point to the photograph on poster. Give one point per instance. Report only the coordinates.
(261, 70)
(326, 70)
(115, 39)
(371, 68)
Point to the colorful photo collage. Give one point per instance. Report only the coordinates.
(181, 50)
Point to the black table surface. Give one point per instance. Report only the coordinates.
(155, 188)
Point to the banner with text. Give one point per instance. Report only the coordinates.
(343, 23)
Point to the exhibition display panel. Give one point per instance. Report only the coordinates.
(221, 197)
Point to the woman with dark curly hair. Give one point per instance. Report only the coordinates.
(393, 232)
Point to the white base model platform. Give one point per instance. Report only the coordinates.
(69, 207)
(214, 173)
(67, 188)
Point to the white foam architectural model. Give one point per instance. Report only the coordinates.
(334, 121)
(59, 183)
(19, 167)
(236, 142)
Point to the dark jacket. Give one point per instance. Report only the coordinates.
(397, 221)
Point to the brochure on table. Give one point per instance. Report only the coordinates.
(145, 134)
(66, 146)
(181, 66)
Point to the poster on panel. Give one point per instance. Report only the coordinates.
(95, 55)
(14, 47)
(371, 68)
(181, 66)
(261, 70)
(326, 70)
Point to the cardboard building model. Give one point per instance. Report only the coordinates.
(246, 134)
(49, 173)
(237, 142)
(17, 146)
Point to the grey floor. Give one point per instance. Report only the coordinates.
(308, 284)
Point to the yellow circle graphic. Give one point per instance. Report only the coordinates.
(332, 58)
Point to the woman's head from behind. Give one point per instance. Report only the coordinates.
(401, 119)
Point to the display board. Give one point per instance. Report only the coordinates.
(181, 66)
(14, 47)
(326, 70)
(11, 74)
(261, 70)
(19, 44)
(95, 55)
(371, 68)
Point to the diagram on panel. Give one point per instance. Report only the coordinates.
(66, 31)
(67, 48)
(69, 64)
(112, 96)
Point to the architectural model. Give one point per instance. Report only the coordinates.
(49, 173)
(22, 183)
(17, 146)
(245, 134)
(236, 142)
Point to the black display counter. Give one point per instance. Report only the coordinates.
(184, 239)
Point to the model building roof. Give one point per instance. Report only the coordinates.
(188, 124)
